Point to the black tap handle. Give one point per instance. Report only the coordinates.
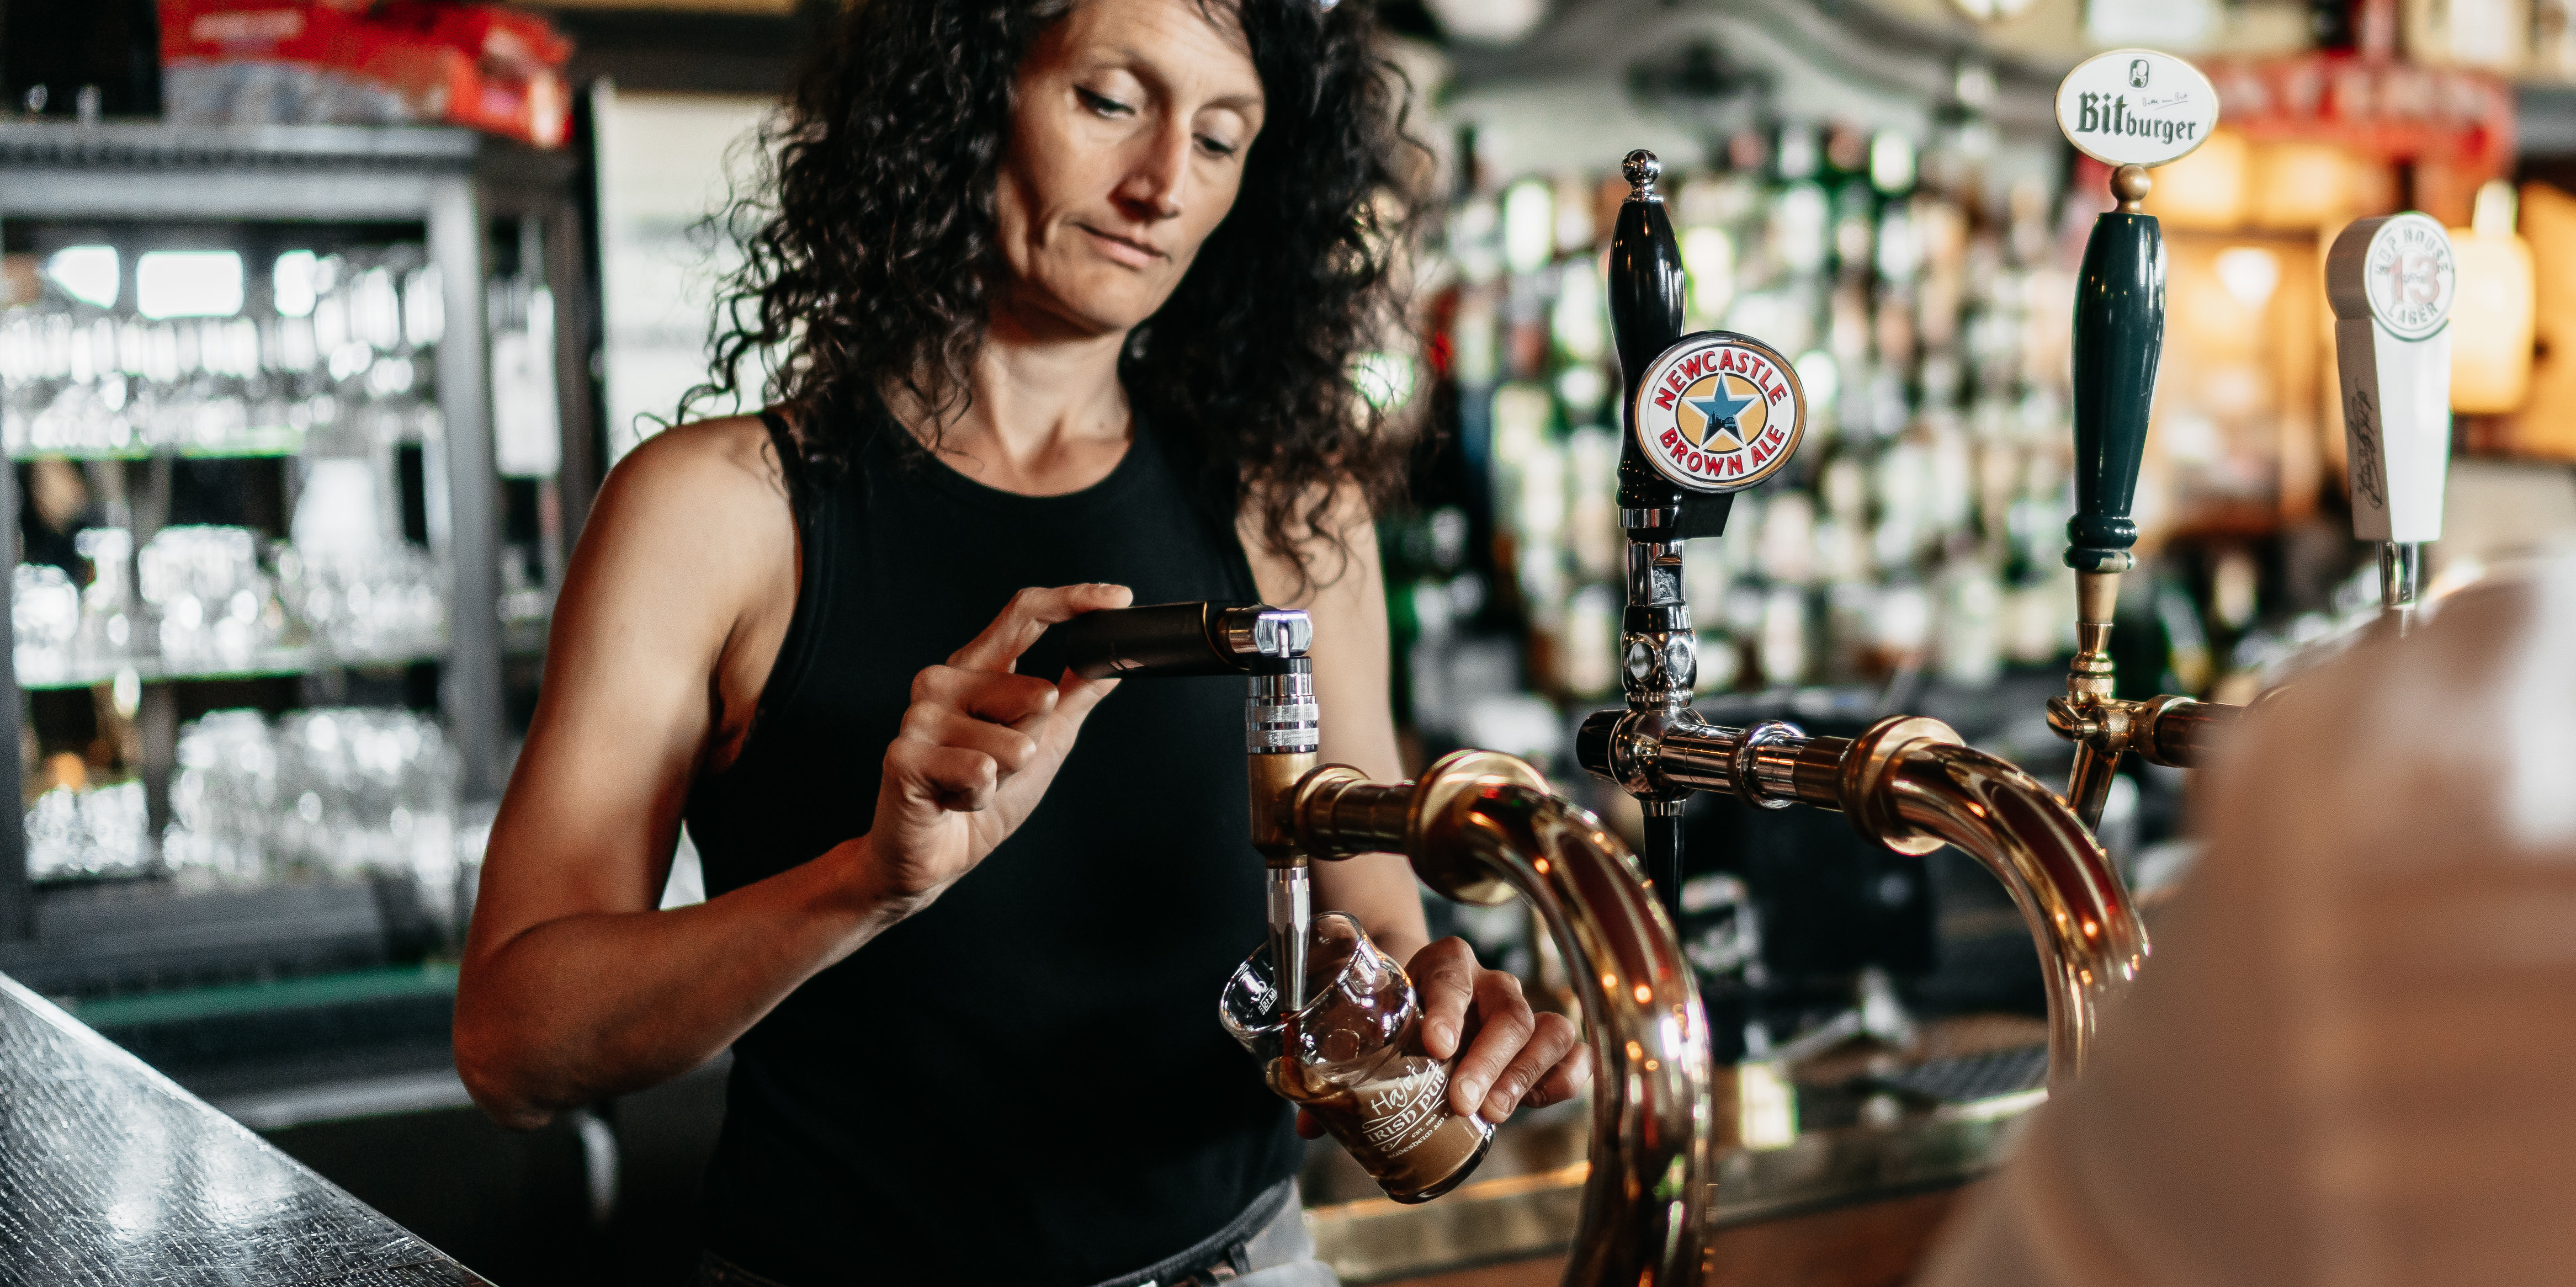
(1645, 317)
(2119, 335)
(1174, 640)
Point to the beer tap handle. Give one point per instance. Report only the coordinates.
(2131, 109)
(1706, 416)
(2391, 281)
(1175, 640)
(2119, 337)
(1645, 297)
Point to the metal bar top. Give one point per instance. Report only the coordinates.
(110, 1174)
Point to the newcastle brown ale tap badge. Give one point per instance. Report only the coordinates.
(2136, 107)
(1719, 412)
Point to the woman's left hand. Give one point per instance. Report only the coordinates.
(1514, 1056)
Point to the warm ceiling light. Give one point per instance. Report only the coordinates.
(2300, 185)
(2205, 189)
(2492, 312)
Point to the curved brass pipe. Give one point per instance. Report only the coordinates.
(1479, 826)
(1907, 783)
(1928, 788)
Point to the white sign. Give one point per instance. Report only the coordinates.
(2136, 107)
(2391, 282)
(1720, 412)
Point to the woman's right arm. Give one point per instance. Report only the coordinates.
(574, 987)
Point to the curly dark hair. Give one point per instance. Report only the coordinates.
(870, 254)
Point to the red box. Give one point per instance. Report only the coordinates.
(465, 64)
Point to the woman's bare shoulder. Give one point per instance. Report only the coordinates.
(702, 498)
(724, 457)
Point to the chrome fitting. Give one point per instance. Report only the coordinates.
(1280, 715)
(1658, 667)
(1765, 763)
(1263, 631)
(1623, 747)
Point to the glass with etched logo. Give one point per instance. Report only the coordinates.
(1353, 1057)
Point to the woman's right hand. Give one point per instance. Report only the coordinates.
(978, 748)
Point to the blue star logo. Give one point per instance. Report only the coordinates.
(1721, 412)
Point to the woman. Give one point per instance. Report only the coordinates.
(1067, 293)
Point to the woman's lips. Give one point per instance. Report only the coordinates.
(1134, 254)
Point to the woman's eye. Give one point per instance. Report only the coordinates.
(1216, 147)
(1102, 104)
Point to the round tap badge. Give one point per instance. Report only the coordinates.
(2136, 107)
(1719, 412)
(2409, 277)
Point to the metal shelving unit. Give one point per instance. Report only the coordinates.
(467, 194)
(261, 663)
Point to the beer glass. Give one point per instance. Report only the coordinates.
(1353, 1057)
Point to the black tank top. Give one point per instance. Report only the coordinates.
(1026, 1082)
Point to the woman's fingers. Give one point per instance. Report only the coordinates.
(1565, 1081)
(996, 653)
(1444, 977)
(1308, 1127)
(1028, 615)
(1076, 696)
(998, 696)
(1553, 1038)
(954, 778)
(1010, 749)
(974, 725)
(1503, 1027)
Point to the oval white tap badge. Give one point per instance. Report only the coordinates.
(2136, 107)
(2409, 276)
(1719, 412)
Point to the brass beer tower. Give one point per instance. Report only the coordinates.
(1908, 783)
(2390, 281)
(1480, 827)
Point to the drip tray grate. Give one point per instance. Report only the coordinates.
(1966, 1079)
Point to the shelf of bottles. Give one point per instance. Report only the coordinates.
(1914, 540)
(325, 368)
(245, 521)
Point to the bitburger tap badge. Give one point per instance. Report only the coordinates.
(1719, 412)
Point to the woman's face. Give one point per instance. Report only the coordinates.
(1130, 124)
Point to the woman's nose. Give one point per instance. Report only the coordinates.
(1156, 175)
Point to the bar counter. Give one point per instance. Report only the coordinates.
(112, 1175)
(1846, 1203)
